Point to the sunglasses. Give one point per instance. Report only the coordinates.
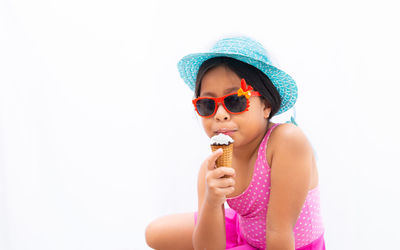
(234, 103)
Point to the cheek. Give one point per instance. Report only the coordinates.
(252, 118)
(207, 123)
(256, 110)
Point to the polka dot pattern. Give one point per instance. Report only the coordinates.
(252, 206)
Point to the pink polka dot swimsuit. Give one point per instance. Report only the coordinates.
(252, 205)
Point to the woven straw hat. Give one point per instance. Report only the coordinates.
(246, 50)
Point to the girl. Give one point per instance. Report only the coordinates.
(272, 188)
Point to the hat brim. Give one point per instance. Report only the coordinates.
(189, 66)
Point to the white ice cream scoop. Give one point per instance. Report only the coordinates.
(221, 139)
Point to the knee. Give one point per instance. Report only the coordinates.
(151, 234)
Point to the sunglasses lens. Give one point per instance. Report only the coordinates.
(235, 103)
(205, 107)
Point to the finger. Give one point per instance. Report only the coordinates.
(223, 171)
(225, 182)
(225, 191)
(213, 157)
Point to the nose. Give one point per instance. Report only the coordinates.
(221, 114)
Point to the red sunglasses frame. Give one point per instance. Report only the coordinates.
(247, 91)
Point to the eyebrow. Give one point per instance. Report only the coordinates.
(230, 90)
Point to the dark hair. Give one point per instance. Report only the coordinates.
(253, 76)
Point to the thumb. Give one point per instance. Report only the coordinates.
(213, 157)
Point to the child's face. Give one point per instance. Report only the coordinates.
(244, 127)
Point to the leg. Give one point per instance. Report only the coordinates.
(171, 232)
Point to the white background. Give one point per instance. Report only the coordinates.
(98, 136)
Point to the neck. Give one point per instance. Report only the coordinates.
(246, 153)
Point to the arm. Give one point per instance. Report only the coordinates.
(209, 232)
(290, 181)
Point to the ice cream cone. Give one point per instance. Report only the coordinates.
(226, 158)
(226, 143)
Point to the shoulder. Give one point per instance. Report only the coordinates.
(289, 137)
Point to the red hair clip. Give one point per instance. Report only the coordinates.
(245, 89)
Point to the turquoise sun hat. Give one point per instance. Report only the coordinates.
(246, 50)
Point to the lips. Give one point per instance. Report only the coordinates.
(225, 131)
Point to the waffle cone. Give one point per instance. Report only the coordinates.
(225, 159)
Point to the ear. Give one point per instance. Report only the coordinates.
(266, 109)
